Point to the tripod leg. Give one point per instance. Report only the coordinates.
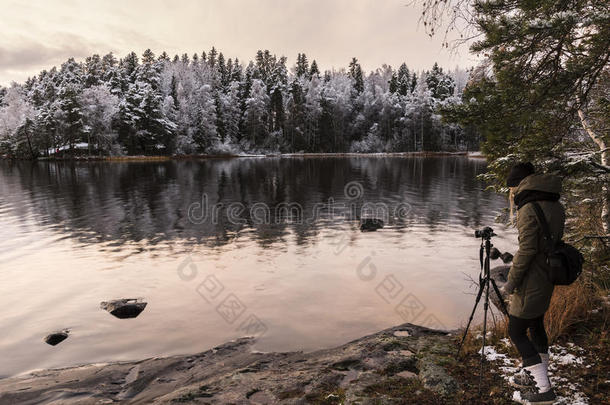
(485, 308)
(502, 303)
(476, 302)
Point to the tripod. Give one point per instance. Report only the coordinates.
(484, 281)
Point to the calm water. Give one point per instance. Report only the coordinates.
(75, 234)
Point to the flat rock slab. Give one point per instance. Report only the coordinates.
(379, 368)
(124, 308)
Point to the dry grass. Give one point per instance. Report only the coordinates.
(570, 305)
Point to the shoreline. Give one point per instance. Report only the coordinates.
(403, 364)
(234, 372)
(143, 158)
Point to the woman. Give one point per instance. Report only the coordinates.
(528, 281)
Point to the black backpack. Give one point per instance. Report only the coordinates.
(564, 261)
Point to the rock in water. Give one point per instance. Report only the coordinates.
(124, 308)
(370, 224)
(56, 338)
(500, 275)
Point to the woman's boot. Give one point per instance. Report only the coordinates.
(522, 378)
(541, 392)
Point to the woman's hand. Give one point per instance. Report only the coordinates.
(507, 290)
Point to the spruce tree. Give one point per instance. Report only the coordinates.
(148, 57)
(314, 71)
(355, 72)
(403, 80)
(129, 64)
(212, 57)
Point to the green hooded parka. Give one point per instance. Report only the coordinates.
(528, 274)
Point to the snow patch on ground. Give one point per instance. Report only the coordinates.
(492, 355)
(566, 356)
(561, 355)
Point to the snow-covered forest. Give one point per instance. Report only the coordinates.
(205, 103)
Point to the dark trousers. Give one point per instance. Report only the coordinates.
(528, 347)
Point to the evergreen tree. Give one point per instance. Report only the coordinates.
(440, 84)
(148, 57)
(222, 69)
(403, 80)
(393, 83)
(93, 70)
(355, 72)
(314, 71)
(296, 117)
(212, 57)
(129, 64)
(278, 83)
(302, 66)
(237, 72)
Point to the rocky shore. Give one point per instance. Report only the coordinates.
(383, 368)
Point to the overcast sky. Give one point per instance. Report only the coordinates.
(37, 34)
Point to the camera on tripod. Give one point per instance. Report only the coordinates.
(486, 283)
(485, 233)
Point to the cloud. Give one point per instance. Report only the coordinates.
(37, 35)
(35, 54)
(23, 57)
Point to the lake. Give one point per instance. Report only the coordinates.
(221, 248)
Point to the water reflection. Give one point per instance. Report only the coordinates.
(132, 202)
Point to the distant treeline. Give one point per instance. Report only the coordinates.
(206, 104)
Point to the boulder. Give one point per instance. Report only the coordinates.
(124, 308)
(499, 274)
(370, 224)
(56, 338)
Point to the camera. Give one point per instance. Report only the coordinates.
(485, 233)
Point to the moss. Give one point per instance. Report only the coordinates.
(336, 396)
(393, 344)
(327, 391)
(291, 393)
(394, 367)
(407, 390)
(346, 364)
(191, 396)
